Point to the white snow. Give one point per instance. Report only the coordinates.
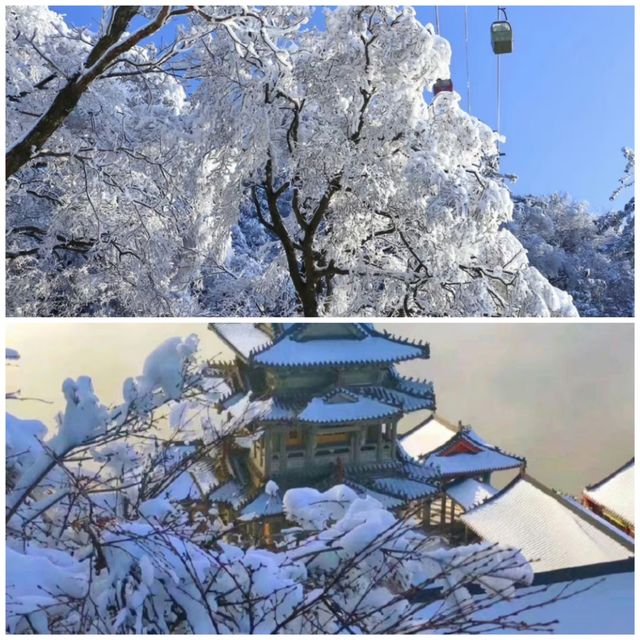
(36, 580)
(462, 463)
(23, 440)
(426, 437)
(324, 410)
(617, 493)
(243, 337)
(470, 492)
(404, 487)
(163, 367)
(548, 532)
(271, 488)
(316, 352)
(84, 416)
(605, 607)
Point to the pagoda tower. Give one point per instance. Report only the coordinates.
(332, 399)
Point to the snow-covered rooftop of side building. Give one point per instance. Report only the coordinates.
(602, 605)
(605, 523)
(528, 517)
(616, 492)
(242, 337)
(467, 453)
(470, 492)
(472, 463)
(426, 437)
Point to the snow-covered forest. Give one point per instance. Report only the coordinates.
(591, 257)
(109, 530)
(252, 166)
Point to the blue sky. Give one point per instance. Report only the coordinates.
(567, 90)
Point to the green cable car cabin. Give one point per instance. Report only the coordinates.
(501, 37)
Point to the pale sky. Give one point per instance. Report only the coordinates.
(560, 394)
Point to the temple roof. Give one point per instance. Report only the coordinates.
(262, 505)
(387, 501)
(404, 487)
(470, 492)
(426, 437)
(468, 454)
(242, 337)
(311, 345)
(405, 401)
(528, 516)
(616, 492)
(231, 492)
(342, 405)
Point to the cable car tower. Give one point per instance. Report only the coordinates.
(501, 43)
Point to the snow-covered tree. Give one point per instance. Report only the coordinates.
(108, 531)
(373, 200)
(382, 203)
(591, 257)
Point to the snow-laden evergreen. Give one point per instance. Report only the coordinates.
(253, 166)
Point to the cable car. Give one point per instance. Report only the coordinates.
(442, 85)
(501, 37)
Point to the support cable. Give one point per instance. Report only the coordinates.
(466, 55)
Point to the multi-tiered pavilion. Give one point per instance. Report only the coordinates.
(332, 400)
(332, 397)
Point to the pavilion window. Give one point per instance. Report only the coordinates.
(332, 438)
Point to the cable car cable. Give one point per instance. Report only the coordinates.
(466, 55)
(498, 94)
(501, 42)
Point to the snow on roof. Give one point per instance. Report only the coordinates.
(405, 401)
(327, 411)
(603, 605)
(262, 505)
(415, 387)
(288, 352)
(471, 463)
(470, 492)
(404, 487)
(547, 531)
(231, 492)
(193, 484)
(605, 523)
(387, 501)
(426, 437)
(242, 337)
(183, 487)
(277, 412)
(616, 492)
(486, 457)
